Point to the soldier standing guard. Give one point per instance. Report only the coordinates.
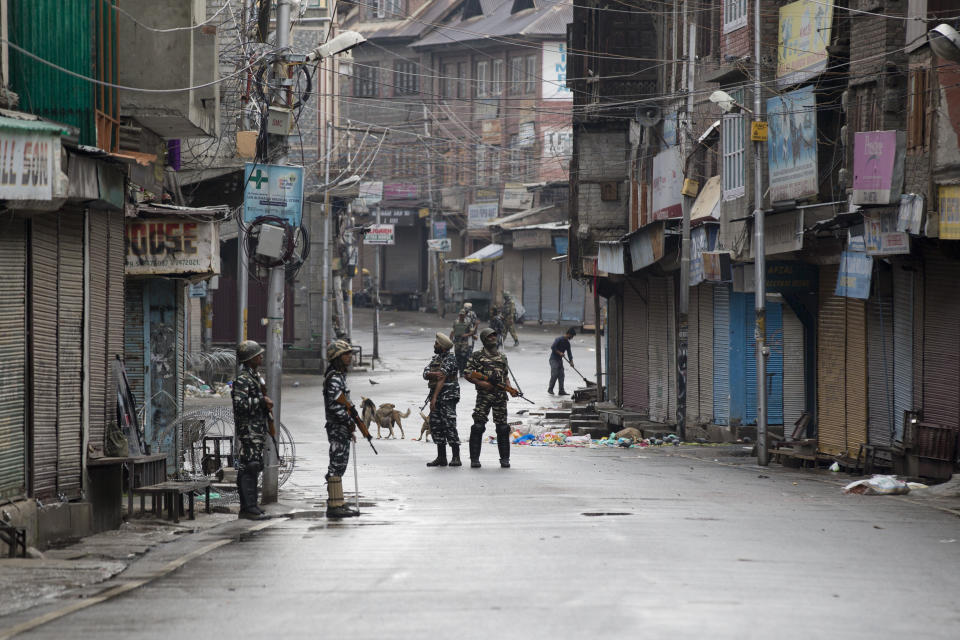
(461, 338)
(339, 426)
(251, 411)
(510, 316)
(441, 374)
(492, 365)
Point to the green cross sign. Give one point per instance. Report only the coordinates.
(258, 178)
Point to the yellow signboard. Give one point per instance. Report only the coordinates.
(802, 40)
(949, 206)
(758, 131)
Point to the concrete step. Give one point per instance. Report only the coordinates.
(594, 429)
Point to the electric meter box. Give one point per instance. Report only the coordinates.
(271, 241)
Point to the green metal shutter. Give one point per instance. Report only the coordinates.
(693, 357)
(705, 341)
(13, 338)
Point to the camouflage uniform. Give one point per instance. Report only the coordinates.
(443, 417)
(509, 318)
(494, 366)
(462, 345)
(250, 425)
(339, 424)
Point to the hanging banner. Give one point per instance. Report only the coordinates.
(272, 190)
(792, 145)
(949, 204)
(667, 184)
(440, 245)
(853, 281)
(878, 167)
(802, 40)
(479, 214)
(370, 192)
(702, 239)
(880, 234)
(554, 75)
(910, 216)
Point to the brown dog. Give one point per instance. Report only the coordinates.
(425, 429)
(386, 417)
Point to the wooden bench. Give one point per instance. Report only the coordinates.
(170, 495)
(15, 538)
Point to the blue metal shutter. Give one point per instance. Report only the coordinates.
(775, 363)
(721, 354)
(13, 338)
(903, 291)
(741, 379)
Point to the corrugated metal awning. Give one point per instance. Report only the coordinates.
(486, 254)
(610, 257)
(32, 124)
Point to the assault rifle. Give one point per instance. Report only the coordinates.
(271, 423)
(476, 376)
(357, 420)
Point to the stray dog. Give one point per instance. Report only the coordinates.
(425, 429)
(630, 432)
(386, 417)
(367, 409)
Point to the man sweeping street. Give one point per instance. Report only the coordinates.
(560, 347)
(441, 376)
(340, 426)
(251, 412)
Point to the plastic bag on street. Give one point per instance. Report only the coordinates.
(878, 486)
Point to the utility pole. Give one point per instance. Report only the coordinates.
(325, 311)
(760, 258)
(434, 256)
(689, 193)
(376, 298)
(275, 291)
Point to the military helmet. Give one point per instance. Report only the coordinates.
(507, 295)
(248, 350)
(486, 333)
(337, 348)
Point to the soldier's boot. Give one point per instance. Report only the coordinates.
(503, 445)
(247, 488)
(476, 441)
(441, 459)
(336, 507)
(455, 455)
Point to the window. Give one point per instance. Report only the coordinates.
(482, 78)
(448, 81)
(734, 15)
(708, 29)
(515, 86)
(496, 78)
(733, 139)
(918, 112)
(365, 80)
(462, 91)
(530, 86)
(405, 79)
(522, 161)
(389, 8)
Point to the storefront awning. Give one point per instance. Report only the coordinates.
(31, 124)
(610, 257)
(487, 254)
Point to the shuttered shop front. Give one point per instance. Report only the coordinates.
(661, 348)
(56, 316)
(700, 356)
(903, 308)
(635, 352)
(880, 359)
(841, 369)
(13, 338)
(794, 378)
(721, 355)
(941, 343)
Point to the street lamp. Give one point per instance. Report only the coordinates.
(945, 42)
(338, 44)
(726, 102)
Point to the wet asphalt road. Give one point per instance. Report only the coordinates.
(569, 543)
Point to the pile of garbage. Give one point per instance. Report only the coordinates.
(882, 485)
(564, 437)
(197, 388)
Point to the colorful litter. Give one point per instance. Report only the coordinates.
(565, 438)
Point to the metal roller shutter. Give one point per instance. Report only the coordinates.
(635, 347)
(671, 350)
(941, 349)
(99, 303)
(831, 377)
(44, 241)
(550, 290)
(794, 385)
(775, 363)
(13, 339)
(659, 348)
(401, 262)
(693, 357)
(613, 340)
(856, 387)
(705, 341)
(903, 292)
(721, 355)
(133, 339)
(70, 353)
(531, 285)
(573, 297)
(880, 362)
(115, 305)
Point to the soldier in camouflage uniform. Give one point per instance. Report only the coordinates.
(251, 408)
(441, 374)
(510, 316)
(339, 427)
(492, 364)
(461, 336)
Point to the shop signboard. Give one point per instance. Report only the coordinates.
(949, 206)
(273, 190)
(380, 235)
(802, 40)
(29, 164)
(667, 184)
(554, 72)
(401, 191)
(440, 245)
(792, 145)
(165, 247)
(440, 229)
(853, 281)
(878, 167)
(880, 234)
(783, 233)
(516, 196)
(479, 214)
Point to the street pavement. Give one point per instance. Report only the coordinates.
(668, 542)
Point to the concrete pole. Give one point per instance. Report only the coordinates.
(324, 330)
(683, 320)
(760, 259)
(243, 277)
(275, 303)
(376, 299)
(432, 256)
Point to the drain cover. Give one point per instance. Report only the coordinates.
(606, 513)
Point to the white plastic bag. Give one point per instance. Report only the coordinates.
(878, 486)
